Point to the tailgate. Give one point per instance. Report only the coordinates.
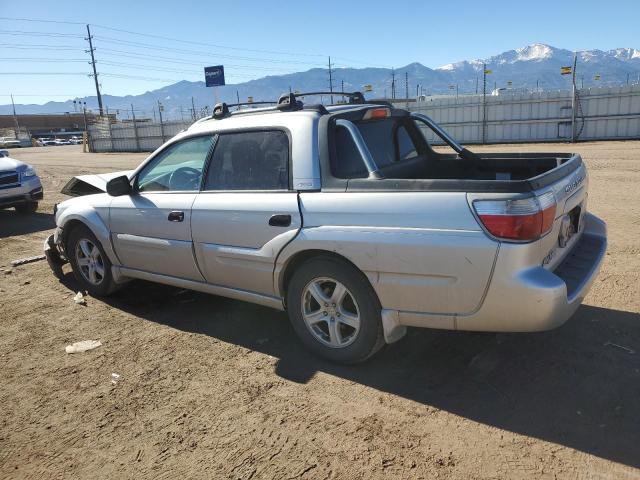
(571, 205)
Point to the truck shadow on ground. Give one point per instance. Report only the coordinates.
(13, 223)
(576, 386)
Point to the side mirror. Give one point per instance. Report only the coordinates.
(119, 186)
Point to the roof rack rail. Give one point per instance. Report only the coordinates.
(221, 110)
(354, 97)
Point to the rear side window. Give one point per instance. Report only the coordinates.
(250, 161)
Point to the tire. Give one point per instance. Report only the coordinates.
(27, 208)
(92, 269)
(330, 330)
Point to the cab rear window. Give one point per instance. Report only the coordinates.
(388, 140)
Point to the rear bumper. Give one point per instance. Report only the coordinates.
(522, 298)
(537, 299)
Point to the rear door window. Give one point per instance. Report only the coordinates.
(253, 160)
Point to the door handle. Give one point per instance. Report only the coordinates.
(280, 220)
(176, 216)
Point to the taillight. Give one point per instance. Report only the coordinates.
(376, 113)
(522, 219)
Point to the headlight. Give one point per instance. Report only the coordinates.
(29, 172)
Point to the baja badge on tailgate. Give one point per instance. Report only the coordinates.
(577, 181)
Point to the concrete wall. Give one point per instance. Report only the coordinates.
(601, 114)
(132, 137)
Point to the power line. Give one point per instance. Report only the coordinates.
(31, 59)
(41, 21)
(118, 41)
(38, 34)
(33, 46)
(275, 52)
(209, 44)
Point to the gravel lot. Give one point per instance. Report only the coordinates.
(214, 388)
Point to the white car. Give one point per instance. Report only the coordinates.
(20, 186)
(8, 142)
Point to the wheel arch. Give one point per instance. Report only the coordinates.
(95, 224)
(298, 258)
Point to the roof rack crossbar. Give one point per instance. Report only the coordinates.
(354, 97)
(222, 109)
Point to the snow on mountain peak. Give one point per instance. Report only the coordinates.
(625, 53)
(536, 51)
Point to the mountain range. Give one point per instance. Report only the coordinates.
(534, 66)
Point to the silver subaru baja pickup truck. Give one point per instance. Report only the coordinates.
(345, 217)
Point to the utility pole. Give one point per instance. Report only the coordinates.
(417, 90)
(193, 109)
(406, 84)
(160, 108)
(393, 83)
(342, 84)
(573, 97)
(95, 73)
(135, 127)
(330, 80)
(484, 103)
(15, 117)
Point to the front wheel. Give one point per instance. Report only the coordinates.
(90, 264)
(335, 311)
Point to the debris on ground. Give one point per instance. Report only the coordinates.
(79, 299)
(83, 346)
(114, 378)
(23, 261)
(627, 349)
(8, 271)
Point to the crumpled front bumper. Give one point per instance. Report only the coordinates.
(55, 257)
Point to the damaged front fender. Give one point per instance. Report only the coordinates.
(90, 184)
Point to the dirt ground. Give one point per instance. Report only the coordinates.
(214, 388)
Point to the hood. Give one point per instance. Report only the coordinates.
(11, 164)
(90, 184)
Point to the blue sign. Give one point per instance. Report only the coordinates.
(214, 76)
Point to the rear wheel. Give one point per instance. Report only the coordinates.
(27, 208)
(335, 311)
(90, 264)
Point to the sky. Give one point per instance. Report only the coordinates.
(143, 45)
